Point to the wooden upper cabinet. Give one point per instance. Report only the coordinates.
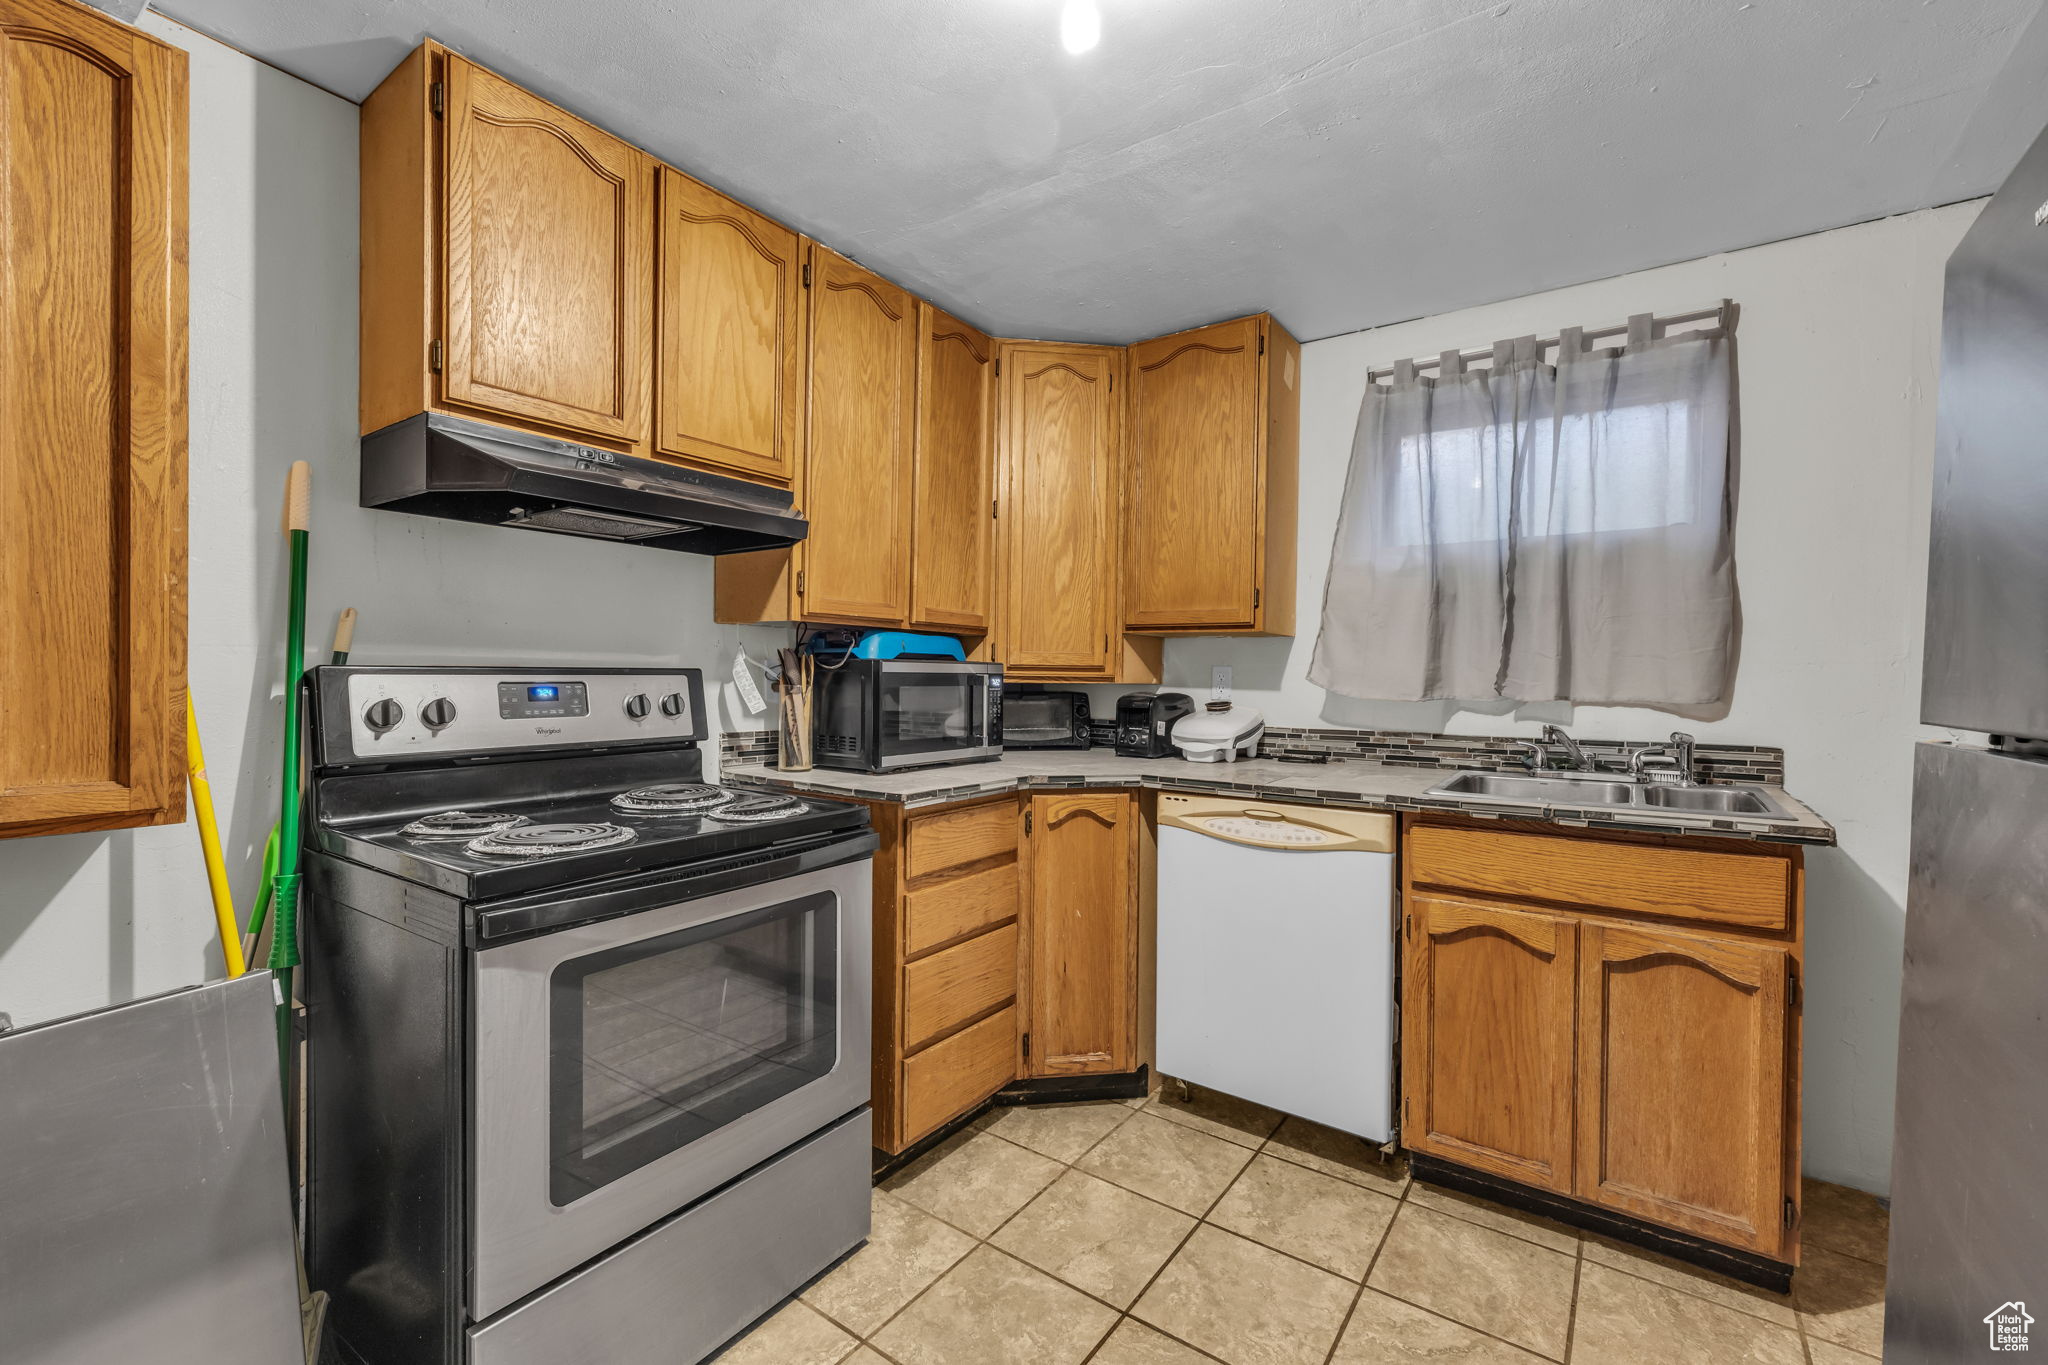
(1210, 502)
(729, 352)
(1081, 851)
(1682, 1082)
(1058, 523)
(1487, 1031)
(548, 225)
(952, 545)
(93, 424)
(861, 416)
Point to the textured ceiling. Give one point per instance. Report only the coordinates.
(1345, 163)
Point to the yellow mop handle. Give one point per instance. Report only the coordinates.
(209, 843)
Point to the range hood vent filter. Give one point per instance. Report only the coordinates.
(440, 466)
(601, 526)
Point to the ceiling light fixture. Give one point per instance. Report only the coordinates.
(1080, 26)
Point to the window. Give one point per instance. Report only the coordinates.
(1540, 532)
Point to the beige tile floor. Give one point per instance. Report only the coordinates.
(1162, 1232)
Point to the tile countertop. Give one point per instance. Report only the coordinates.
(1372, 786)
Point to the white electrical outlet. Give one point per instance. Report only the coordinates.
(1219, 683)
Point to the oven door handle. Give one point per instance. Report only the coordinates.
(509, 921)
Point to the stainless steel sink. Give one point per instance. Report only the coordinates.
(1713, 800)
(1568, 789)
(1573, 791)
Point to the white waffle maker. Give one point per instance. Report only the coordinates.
(1219, 733)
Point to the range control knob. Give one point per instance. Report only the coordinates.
(383, 714)
(438, 713)
(637, 706)
(673, 704)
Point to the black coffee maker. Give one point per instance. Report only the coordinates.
(1145, 720)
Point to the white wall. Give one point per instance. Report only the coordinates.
(1838, 346)
(91, 919)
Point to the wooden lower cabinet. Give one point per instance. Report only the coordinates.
(1585, 1048)
(1682, 1076)
(1010, 941)
(1487, 1041)
(1080, 870)
(947, 914)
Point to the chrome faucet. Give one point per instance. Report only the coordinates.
(1574, 757)
(1678, 753)
(1681, 749)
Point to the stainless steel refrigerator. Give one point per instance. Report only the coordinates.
(1969, 1242)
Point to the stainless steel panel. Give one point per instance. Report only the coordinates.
(1987, 589)
(977, 754)
(1969, 1212)
(478, 727)
(674, 1295)
(144, 1204)
(521, 1240)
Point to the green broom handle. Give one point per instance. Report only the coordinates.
(284, 930)
(344, 637)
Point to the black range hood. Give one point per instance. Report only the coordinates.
(440, 466)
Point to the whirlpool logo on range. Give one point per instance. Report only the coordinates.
(547, 729)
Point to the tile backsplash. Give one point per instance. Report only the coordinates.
(1421, 749)
(1404, 749)
(746, 746)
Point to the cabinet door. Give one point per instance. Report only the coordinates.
(1192, 546)
(549, 226)
(1083, 958)
(1058, 518)
(862, 411)
(1486, 1054)
(1682, 1093)
(729, 356)
(952, 567)
(92, 424)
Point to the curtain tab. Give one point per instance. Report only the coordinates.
(1641, 329)
(1571, 344)
(1450, 365)
(1404, 374)
(1527, 352)
(1503, 356)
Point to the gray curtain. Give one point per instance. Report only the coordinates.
(1541, 532)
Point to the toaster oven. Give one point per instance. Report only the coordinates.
(1045, 720)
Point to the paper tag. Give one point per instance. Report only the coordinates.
(743, 679)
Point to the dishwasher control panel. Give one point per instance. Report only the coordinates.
(1262, 824)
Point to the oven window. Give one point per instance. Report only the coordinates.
(663, 1041)
(928, 713)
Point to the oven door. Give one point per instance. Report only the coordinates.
(934, 711)
(626, 1068)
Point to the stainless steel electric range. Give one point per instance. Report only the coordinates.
(587, 1037)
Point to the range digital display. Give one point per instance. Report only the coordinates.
(529, 701)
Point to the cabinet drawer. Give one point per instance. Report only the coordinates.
(957, 837)
(952, 986)
(946, 910)
(1751, 890)
(948, 1078)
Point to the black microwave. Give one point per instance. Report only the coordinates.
(881, 715)
(1040, 719)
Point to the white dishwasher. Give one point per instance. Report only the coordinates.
(1276, 956)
